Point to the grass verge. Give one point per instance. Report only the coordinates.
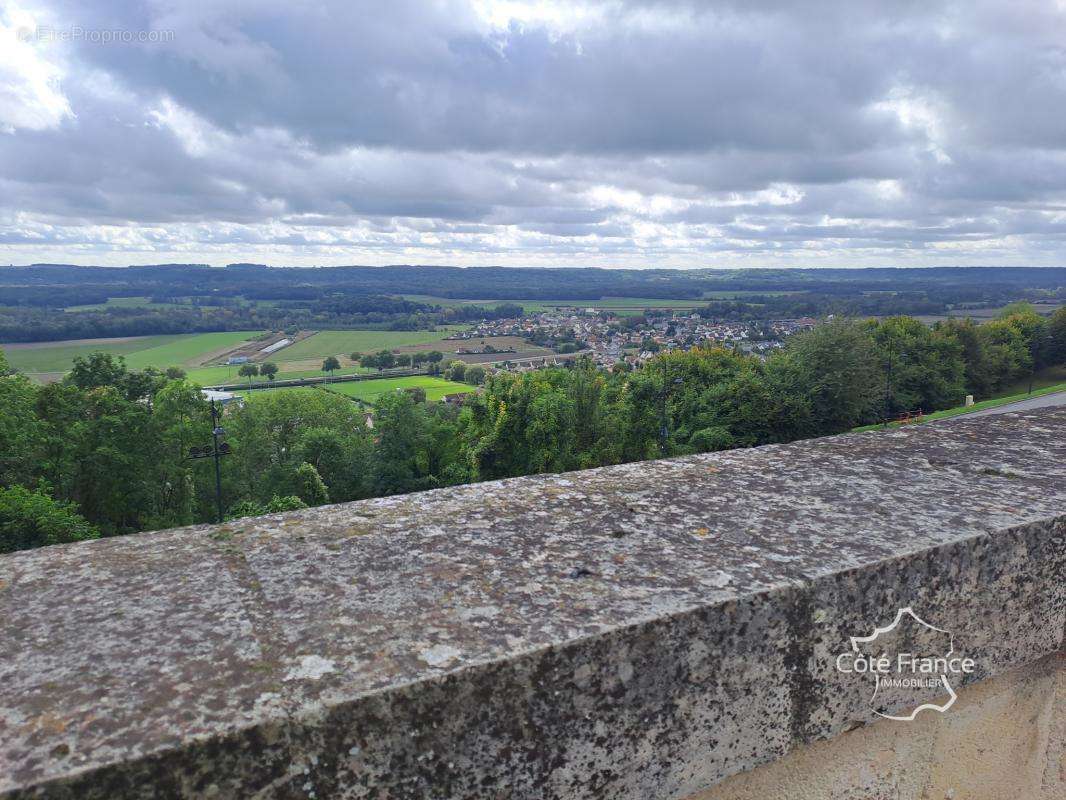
(995, 402)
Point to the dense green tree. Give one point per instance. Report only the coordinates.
(31, 519)
(248, 371)
(1034, 332)
(117, 475)
(19, 428)
(1056, 337)
(331, 365)
(342, 458)
(924, 367)
(401, 462)
(309, 485)
(829, 377)
(269, 370)
(714, 388)
(99, 369)
(182, 420)
(456, 371)
(433, 358)
(268, 435)
(523, 424)
(1008, 353)
(980, 372)
(386, 359)
(474, 374)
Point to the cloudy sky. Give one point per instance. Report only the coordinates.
(736, 133)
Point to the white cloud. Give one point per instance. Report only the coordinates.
(613, 133)
(30, 93)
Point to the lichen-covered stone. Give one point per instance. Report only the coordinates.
(630, 632)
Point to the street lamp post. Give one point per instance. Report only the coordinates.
(215, 450)
(888, 382)
(663, 432)
(888, 388)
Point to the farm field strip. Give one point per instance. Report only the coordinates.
(435, 388)
(450, 346)
(343, 342)
(58, 356)
(185, 350)
(173, 350)
(50, 360)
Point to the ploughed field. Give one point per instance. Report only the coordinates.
(203, 356)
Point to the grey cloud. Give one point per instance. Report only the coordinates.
(683, 130)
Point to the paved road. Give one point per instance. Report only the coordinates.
(1056, 399)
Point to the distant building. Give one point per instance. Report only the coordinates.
(273, 348)
(222, 398)
(237, 360)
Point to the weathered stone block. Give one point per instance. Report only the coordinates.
(640, 631)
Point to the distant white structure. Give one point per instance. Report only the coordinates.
(222, 398)
(276, 346)
(237, 360)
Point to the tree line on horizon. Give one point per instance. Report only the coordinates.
(105, 451)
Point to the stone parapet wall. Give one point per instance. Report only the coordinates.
(1005, 739)
(639, 631)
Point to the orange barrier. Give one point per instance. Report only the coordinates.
(910, 416)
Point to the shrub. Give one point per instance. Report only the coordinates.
(30, 519)
(250, 508)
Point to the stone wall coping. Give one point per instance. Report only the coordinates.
(642, 630)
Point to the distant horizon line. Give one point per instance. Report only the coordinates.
(537, 267)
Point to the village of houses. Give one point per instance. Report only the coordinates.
(608, 339)
(559, 336)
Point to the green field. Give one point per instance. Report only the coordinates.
(435, 388)
(49, 360)
(141, 351)
(336, 343)
(187, 349)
